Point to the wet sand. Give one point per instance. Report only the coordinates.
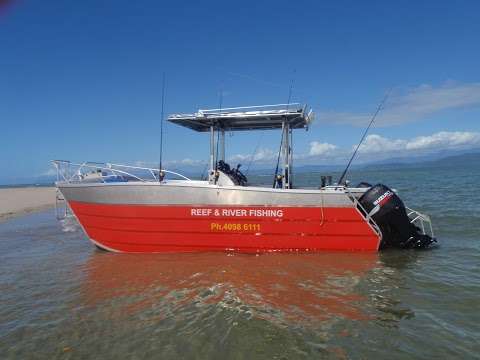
(20, 201)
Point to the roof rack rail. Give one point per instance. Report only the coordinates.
(261, 117)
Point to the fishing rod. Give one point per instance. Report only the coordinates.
(218, 136)
(218, 129)
(379, 108)
(278, 161)
(160, 174)
(281, 139)
(254, 152)
(203, 176)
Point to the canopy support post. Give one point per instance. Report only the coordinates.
(286, 155)
(290, 160)
(212, 148)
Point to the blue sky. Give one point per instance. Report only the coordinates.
(81, 80)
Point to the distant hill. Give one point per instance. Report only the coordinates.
(457, 160)
(436, 160)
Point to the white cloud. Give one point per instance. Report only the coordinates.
(192, 162)
(170, 163)
(373, 148)
(445, 139)
(186, 162)
(146, 164)
(321, 149)
(50, 172)
(442, 140)
(412, 105)
(262, 155)
(376, 143)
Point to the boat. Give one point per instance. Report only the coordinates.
(137, 209)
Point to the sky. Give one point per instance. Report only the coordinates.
(82, 80)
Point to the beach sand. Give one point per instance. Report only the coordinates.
(19, 201)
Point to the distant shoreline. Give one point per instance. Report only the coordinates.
(17, 201)
(32, 185)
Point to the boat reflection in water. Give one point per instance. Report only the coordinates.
(281, 288)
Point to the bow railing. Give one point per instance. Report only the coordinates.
(69, 172)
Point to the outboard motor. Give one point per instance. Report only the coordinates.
(388, 211)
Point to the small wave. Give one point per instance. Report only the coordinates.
(69, 224)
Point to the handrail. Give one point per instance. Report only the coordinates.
(364, 212)
(78, 175)
(250, 107)
(246, 110)
(417, 217)
(151, 169)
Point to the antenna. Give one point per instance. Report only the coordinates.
(380, 106)
(290, 89)
(160, 177)
(220, 101)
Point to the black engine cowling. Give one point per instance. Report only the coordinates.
(389, 213)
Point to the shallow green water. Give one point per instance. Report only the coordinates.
(61, 298)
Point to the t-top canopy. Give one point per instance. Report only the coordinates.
(246, 118)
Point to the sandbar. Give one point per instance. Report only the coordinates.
(23, 200)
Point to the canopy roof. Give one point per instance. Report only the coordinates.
(246, 118)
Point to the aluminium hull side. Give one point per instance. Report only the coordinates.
(186, 217)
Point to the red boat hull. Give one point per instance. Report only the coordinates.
(167, 228)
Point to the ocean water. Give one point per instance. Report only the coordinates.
(62, 298)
